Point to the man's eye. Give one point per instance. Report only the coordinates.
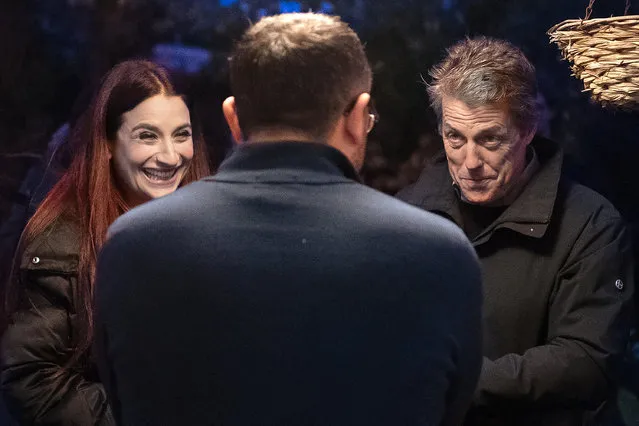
(491, 141)
(455, 140)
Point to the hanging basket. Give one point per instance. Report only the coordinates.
(604, 54)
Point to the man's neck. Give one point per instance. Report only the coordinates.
(279, 136)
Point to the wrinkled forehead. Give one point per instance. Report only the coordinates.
(460, 116)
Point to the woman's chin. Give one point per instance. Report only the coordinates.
(156, 193)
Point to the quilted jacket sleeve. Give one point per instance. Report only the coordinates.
(37, 387)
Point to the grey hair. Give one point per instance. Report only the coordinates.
(482, 71)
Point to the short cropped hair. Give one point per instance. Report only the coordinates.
(481, 71)
(297, 71)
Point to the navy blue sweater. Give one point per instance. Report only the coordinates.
(283, 292)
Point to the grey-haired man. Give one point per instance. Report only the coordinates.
(556, 259)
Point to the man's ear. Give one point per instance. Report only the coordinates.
(530, 135)
(356, 122)
(230, 114)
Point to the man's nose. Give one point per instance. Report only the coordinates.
(473, 160)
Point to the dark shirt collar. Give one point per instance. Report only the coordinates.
(300, 162)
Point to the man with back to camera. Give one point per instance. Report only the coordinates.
(281, 291)
(556, 259)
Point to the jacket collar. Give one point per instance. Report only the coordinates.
(281, 162)
(529, 213)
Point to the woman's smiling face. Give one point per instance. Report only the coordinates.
(153, 148)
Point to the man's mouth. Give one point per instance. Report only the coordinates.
(482, 179)
(160, 175)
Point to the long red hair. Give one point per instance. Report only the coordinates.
(87, 192)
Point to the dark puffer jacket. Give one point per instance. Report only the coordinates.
(37, 345)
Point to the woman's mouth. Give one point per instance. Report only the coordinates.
(160, 175)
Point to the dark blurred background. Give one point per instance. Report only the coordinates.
(54, 51)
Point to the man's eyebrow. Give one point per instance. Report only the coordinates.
(448, 126)
(496, 130)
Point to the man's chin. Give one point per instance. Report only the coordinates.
(479, 198)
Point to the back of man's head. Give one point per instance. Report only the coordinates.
(297, 72)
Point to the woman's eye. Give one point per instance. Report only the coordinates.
(183, 136)
(147, 136)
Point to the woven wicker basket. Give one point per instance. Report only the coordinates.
(604, 54)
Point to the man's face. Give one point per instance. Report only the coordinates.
(486, 152)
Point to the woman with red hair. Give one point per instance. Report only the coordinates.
(135, 143)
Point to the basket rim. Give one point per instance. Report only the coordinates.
(591, 22)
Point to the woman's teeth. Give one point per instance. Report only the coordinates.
(160, 175)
